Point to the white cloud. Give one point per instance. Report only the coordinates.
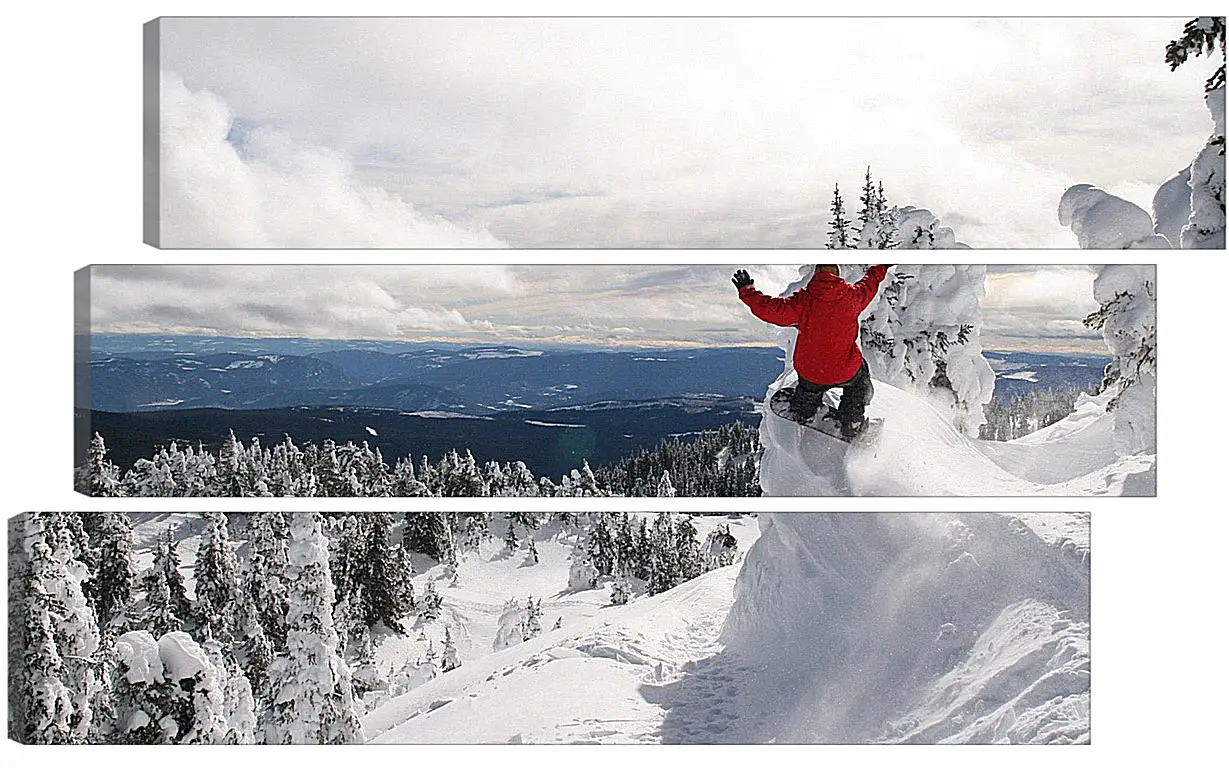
(1025, 307)
(269, 190)
(675, 132)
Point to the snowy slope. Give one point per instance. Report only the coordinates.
(913, 627)
(595, 679)
(838, 628)
(920, 454)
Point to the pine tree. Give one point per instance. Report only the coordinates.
(687, 549)
(720, 548)
(367, 676)
(619, 592)
(238, 712)
(142, 695)
(665, 488)
(384, 572)
(265, 577)
(257, 651)
(232, 477)
(168, 691)
(160, 615)
(450, 660)
(216, 581)
(75, 624)
(313, 699)
(1200, 35)
(432, 602)
(885, 233)
(869, 211)
(116, 575)
(533, 618)
(664, 570)
(44, 703)
(838, 235)
(431, 534)
(102, 478)
(511, 629)
(511, 542)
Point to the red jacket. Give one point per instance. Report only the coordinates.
(825, 313)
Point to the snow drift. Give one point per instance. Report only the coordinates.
(914, 628)
(837, 628)
(920, 453)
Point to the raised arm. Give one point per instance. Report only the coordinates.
(865, 289)
(785, 312)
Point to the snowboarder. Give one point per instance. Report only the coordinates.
(826, 355)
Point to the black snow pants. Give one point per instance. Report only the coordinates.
(855, 396)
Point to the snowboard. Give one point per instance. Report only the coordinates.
(824, 422)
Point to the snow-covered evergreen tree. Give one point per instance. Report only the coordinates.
(665, 488)
(239, 704)
(431, 534)
(619, 591)
(687, 549)
(44, 703)
(517, 624)
(265, 576)
(449, 659)
(217, 586)
(582, 574)
(1127, 321)
(922, 333)
(1205, 227)
(1201, 35)
(116, 576)
(533, 618)
(160, 616)
(168, 691)
(255, 651)
(431, 603)
(839, 236)
(664, 567)
(384, 572)
(142, 694)
(511, 541)
(313, 700)
(720, 548)
(102, 478)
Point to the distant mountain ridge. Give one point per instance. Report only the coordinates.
(126, 376)
(1019, 372)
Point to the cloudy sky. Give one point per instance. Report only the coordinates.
(1026, 307)
(655, 132)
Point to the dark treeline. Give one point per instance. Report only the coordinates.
(653, 558)
(1029, 412)
(720, 463)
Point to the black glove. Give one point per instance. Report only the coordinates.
(741, 278)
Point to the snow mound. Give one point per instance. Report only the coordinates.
(137, 652)
(1101, 220)
(182, 657)
(913, 628)
(920, 453)
(920, 229)
(1171, 206)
